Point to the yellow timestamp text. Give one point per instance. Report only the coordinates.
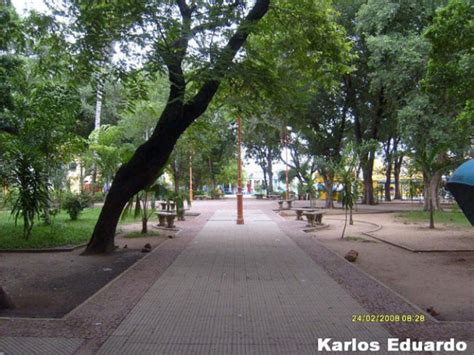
(388, 318)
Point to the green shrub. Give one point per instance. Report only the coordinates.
(86, 199)
(97, 197)
(74, 204)
(217, 193)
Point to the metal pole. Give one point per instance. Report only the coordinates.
(286, 165)
(240, 204)
(190, 178)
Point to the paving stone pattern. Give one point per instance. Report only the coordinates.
(35, 346)
(241, 289)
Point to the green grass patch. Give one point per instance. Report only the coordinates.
(138, 234)
(454, 218)
(62, 232)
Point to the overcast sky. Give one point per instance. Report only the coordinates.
(24, 5)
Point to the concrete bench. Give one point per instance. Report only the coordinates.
(201, 197)
(288, 204)
(166, 219)
(314, 218)
(300, 211)
(259, 196)
(273, 197)
(167, 205)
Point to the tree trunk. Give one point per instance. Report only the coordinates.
(144, 225)
(94, 178)
(270, 174)
(430, 191)
(150, 158)
(367, 170)
(141, 171)
(265, 183)
(396, 176)
(388, 181)
(431, 215)
(145, 213)
(211, 171)
(81, 176)
(345, 223)
(176, 183)
(329, 184)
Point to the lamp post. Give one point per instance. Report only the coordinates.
(285, 138)
(240, 202)
(190, 178)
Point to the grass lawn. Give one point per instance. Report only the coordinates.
(63, 231)
(456, 218)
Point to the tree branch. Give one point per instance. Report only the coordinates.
(198, 104)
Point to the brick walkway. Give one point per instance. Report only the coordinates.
(240, 289)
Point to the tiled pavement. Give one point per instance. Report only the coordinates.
(33, 346)
(240, 289)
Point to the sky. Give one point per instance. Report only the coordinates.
(24, 5)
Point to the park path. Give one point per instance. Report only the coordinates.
(240, 289)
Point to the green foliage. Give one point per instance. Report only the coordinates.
(346, 175)
(454, 218)
(450, 70)
(63, 232)
(75, 204)
(32, 192)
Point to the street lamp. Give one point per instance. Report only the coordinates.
(240, 202)
(285, 138)
(190, 178)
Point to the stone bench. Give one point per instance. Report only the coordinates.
(166, 219)
(201, 197)
(259, 196)
(288, 204)
(273, 197)
(314, 218)
(300, 211)
(167, 205)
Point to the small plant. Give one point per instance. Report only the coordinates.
(217, 193)
(74, 204)
(86, 199)
(32, 192)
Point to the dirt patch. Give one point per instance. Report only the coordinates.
(49, 285)
(441, 280)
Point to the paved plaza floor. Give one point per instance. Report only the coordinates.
(240, 289)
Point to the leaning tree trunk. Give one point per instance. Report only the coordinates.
(151, 157)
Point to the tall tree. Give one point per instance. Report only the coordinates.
(169, 28)
(325, 126)
(262, 142)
